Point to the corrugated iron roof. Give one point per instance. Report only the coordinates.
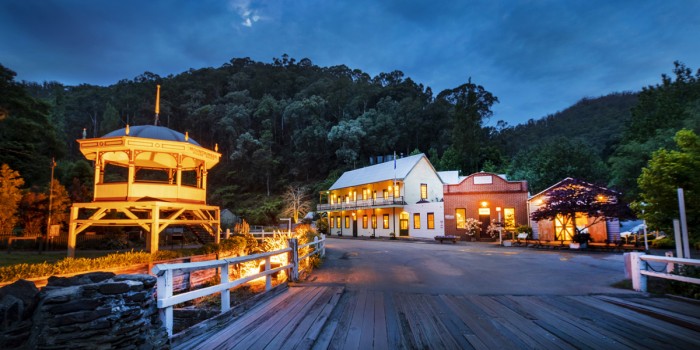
(379, 172)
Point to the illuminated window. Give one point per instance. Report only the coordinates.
(461, 217)
(509, 218)
(416, 220)
(364, 221)
(333, 199)
(431, 221)
(332, 222)
(386, 220)
(385, 194)
(347, 221)
(423, 191)
(374, 221)
(365, 193)
(337, 221)
(396, 191)
(354, 196)
(374, 195)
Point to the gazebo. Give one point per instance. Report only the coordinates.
(150, 177)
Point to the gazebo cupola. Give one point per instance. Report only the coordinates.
(149, 161)
(147, 176)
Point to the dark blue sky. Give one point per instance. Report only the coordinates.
(538, 57)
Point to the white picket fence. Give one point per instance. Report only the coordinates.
(166, 272)
(640, 269)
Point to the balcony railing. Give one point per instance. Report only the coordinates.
(362, 204)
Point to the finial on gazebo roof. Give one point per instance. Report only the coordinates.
(187, 135)
(216, 147)
(126, 131)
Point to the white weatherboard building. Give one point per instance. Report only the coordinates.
(402, 196)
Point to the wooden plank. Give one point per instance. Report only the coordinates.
(410, 323)
(280, 324)
(324, 338)
(559, 325)
(230, 336)
(611, 325)
(668, 316)
(449, 339)
(679, 306)
(452, 323)
(314, 329)
(368, 322)
(393, 325)
(524, 329)
(496, 321)
(341, 330)
(381, 338)
(683, 337)
(481, 326)
(352, 341)
(297, 327)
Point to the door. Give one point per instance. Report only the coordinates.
(485, 219)
(354, 225)
(403, 224)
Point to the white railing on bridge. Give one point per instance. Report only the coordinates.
(165, 272)
(640, 269)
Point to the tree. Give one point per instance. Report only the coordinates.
(667, 171)
(546, 164)
(572, 197)
(296, 202)
(471, 108)
(10, 196)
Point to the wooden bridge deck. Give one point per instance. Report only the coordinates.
(329, 317)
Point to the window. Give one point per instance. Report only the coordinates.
(354, 196)
(423, 191)
(337, 221)
(416, 220)
(461, 217)
(386, 220)
(509, 218)
(431, 221)
(365, 194)
(374, 195)
(364, 221)
(374, 221)
(347, 221)
(332, 222)
(385, 193)
(397, 193)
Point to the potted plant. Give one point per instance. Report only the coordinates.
(472, 226)
(392, 235)
(582, 238)
(372, 236)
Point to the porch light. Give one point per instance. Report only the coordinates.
(498, 209)
(484, 204)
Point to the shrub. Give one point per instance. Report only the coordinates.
(665, 242)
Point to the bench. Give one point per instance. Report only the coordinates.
(446, 238)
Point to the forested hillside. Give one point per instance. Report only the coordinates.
(291, 122)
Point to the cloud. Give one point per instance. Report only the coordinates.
(248, 13)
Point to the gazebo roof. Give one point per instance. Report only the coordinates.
(152, 132)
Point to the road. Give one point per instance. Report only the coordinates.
(473, 268)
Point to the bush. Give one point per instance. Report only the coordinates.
(663, 243)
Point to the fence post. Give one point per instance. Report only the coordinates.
(268, 277)
(639, 281)
(293, 258)
(323, 245)
(225, 294)
(164, 290)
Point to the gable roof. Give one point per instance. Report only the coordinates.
(378, 172)
(450, 177)
(567, 180)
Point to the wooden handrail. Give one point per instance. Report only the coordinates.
(165, 273)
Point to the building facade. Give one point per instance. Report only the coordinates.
(485, 197)
(401, 196)
(562, 228)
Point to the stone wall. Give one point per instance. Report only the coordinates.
(90, 311)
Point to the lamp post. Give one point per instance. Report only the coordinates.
(500, 232)
(48, 221)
